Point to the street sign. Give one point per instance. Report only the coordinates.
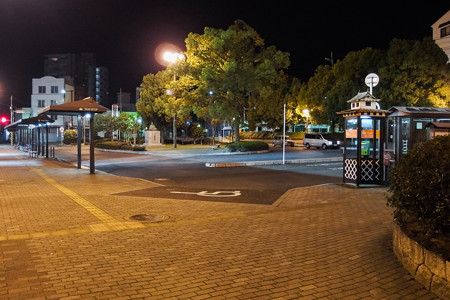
(372, 80)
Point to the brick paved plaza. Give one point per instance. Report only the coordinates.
(67, 234)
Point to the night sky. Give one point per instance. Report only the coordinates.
(125, 33)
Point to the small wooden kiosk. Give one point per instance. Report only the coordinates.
(364, 141)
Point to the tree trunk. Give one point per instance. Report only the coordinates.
(236, 133)
(213, 134)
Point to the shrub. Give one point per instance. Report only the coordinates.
(268, 135)
(247, 146)
(70, 136)
(420, 187)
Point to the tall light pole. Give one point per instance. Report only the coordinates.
(330, 59)
(12, 111)
(284, 133)
(173, 57)
(306, 114)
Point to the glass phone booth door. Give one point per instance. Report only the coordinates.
(363, 150)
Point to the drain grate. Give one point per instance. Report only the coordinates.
(148, 218)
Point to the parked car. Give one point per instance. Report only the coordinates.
(320, 141)
(278, 141)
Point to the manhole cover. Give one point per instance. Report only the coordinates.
(148, 218)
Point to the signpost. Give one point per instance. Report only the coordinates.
(372, 80)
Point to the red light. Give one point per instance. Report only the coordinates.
(4, 120)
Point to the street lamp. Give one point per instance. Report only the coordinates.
(173, 57)
(306, 114)
(63, 91)
(330, 59)
(86, 117)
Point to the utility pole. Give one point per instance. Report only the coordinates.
(330, 59)
(12, 111)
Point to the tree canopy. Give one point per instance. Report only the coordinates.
(412, 73)
(230, 75)
(234, 71)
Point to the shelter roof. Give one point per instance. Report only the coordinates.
(30, 121)
(79, 107)
(440, 125)
(363, 112)
(419, 111)
(37, 119)
(363, 96)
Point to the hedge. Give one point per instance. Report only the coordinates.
(245, 146)
(114, 145)
(420, 187)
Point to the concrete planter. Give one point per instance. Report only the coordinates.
(427, 268)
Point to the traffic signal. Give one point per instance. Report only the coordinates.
(4, 120)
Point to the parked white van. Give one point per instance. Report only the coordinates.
(319, 141)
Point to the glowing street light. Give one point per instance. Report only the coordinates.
(306, 114)
(173, 57)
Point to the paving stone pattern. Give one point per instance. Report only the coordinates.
(66, 234)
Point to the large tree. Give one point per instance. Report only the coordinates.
(414, 74)
(106, 123)
(239, 70)
(411, 73)
(161, 100)
(148, 106)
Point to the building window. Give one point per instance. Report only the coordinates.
(41, 89)
(52, 102)
(445, 31)
(41, 103)
(368, 103)
(54, 89)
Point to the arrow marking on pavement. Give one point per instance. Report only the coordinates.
(211, 194)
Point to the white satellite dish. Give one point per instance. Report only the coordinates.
(372, 80)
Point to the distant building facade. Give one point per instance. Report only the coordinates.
(124, 102)
(441, 33)
(78, 70)
(102, 86)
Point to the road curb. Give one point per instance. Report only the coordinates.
(273, 162)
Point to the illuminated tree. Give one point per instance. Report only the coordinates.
(414, 74)
(238, 68)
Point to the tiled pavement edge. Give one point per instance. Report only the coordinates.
(66, 234)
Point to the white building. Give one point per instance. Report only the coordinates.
(47, 91)
(441, 33)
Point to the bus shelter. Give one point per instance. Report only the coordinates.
(81, 108)
(29, 134)
(364, 141)
(409, 126)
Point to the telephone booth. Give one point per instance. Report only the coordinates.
(364, 141)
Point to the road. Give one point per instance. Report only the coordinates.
(183, 175)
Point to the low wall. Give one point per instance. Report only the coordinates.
(429, 269)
